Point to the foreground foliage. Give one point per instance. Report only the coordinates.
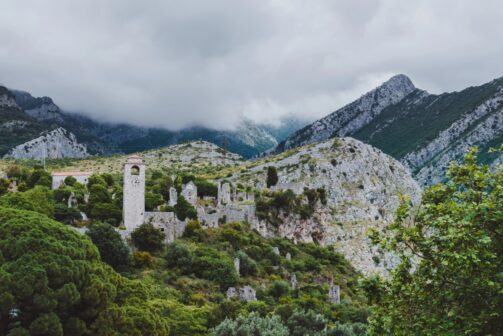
(52, 282)
(450, 279)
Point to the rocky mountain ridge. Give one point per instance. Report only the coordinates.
(424, 131)
(353, 116)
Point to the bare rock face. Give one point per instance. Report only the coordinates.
(352, 116)
(362, 184)
(58, 143)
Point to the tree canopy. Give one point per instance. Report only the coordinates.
(52, 282)
(450, 279)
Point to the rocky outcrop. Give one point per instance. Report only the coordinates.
(56, 144)
(42, 109)
(7, 99)
(363, 186)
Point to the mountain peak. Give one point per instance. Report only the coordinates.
(400, 82)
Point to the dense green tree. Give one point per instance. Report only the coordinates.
(64, 214)
(206, 188)
(348, 329)
(53, 283)
(96, 179)
(99, 194)
(70, 181)
(252, 325)
(101, 206)
(113, 250)
(38, 199)
(450, 279)
(39, 177)
(147, 238)
(279, 288)
(272, 176)
(248, 266)
(178, 254)
(194, 230)
(209, 263)
(152, 201)
(183, 209)
(306, 323)
(165, 185)
(4, 186)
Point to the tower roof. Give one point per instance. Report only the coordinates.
(135, 159)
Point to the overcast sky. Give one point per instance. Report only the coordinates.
(211, 62)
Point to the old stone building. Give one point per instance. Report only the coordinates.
(134, 192)
(189, 191)
(59, 177)
(211, 211)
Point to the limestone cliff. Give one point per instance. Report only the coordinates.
(55, 144)
(363, 186)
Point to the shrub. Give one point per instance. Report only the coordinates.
(213, 265)
(302, 323)
(142, 259)
(247, 266)
(4, 186)
(112, 248)
(38, 199)
(152, 201)
(272, 176)
(251, 325)
(70, 181)
(147, 238)
(183, 209)
(279, 288)
(194, 231)
(64, 214)
(179, 255)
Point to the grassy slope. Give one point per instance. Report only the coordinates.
(313, 265)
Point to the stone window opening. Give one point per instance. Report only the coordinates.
(135, 170)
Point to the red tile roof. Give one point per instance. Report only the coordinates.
(71, 173)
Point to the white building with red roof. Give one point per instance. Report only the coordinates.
(59, 177)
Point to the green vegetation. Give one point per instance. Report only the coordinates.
(450, 279)
(147, 238)
(271, 205)
(53, 283)
(113, 250)
(272, 176)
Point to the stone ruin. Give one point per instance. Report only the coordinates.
(275, 250)
(173, 196)
(189, 191)
(224, 193)
(211, 211)
(245, 293)
(237, 264)
(293, 281)
(334, 293)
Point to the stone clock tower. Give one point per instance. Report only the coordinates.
(134, 192)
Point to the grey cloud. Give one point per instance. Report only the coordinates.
(179, 63)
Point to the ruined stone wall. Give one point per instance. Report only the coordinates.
(167, 222)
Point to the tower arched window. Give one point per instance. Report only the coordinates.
(135, 170)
